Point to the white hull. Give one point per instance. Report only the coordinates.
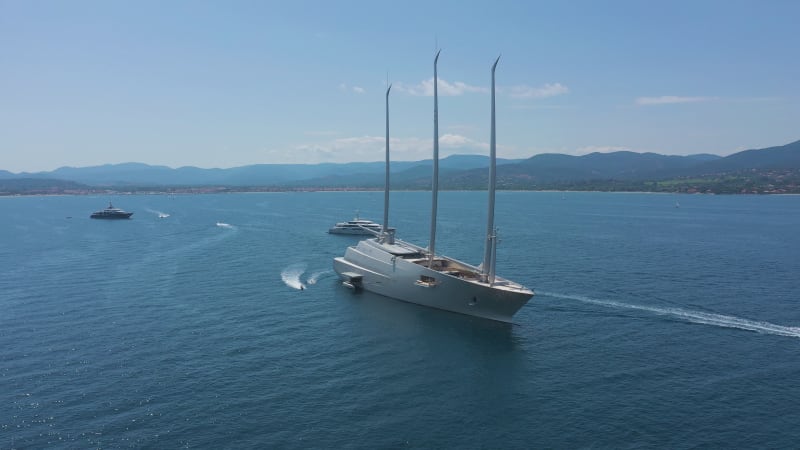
(400, 271)
(356, 226)
(354, 231)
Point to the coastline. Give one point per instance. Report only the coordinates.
(201, 191)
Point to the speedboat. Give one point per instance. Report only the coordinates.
(356, 226)
(404, 271)
(111, 213)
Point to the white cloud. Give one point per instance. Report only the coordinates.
(462, 143)
(548, 90)
(371, 148)
(456, 88)
(446, 88)
(345, 88)
(670, 99)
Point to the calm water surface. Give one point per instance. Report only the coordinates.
(652, 325)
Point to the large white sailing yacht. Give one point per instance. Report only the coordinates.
(404, 271)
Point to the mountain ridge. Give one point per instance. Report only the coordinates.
(615, 170)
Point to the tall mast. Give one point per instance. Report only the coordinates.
(386, 188)
(488, 259)
(435, 186)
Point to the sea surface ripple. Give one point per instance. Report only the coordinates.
(216, 321)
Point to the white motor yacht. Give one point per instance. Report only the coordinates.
(356, 226)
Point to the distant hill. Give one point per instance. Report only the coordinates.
(623, 170)
(138, 174)
(16, 186)
(773, 169)
(552, 169)
(616, 165)
(704, 157)
(782, 157)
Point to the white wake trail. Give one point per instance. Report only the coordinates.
(317, 275)
(291, 276)
(700, 317)
(160, 214)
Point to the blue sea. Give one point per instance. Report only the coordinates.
(654, 325)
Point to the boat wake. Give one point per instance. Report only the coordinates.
(317, 275)
(225, 225)
(291, 276)
(699, 317)
(161, 215)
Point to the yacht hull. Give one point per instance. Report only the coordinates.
(406, 279)
(114, 216)
(354, 232)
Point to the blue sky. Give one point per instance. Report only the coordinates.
(230, 83)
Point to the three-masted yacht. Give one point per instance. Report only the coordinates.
(404, 271)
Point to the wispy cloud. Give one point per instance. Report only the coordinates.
(456, 141)
(530, 92)
(456, 88)
(346, 88)
(670, 99)
(446, 88)
(371, 148)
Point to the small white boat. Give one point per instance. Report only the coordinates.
(356, 226)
